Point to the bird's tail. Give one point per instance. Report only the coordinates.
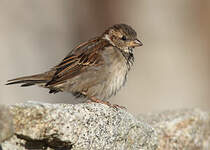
(38, 79)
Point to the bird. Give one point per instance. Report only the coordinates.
(95, 69)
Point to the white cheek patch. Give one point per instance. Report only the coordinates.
(107, 38)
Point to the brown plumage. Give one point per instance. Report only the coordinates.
(95, 69)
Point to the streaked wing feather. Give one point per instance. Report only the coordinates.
(80, 59)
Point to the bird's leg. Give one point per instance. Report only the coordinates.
(94, 99)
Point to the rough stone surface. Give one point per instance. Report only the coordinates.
(99, 127)
(77, 127)
(6, 128)
(187, 129)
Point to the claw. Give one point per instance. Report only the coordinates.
(118, 106)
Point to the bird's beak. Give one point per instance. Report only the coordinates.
(136, 43)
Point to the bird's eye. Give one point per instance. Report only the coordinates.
(124, 38)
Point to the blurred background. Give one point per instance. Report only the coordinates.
(172, 68)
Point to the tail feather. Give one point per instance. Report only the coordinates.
(29, 80)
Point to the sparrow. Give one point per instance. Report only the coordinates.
(95, 69)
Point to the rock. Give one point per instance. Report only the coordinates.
(77, 127)
(6, 126)
(99, 127)
(187, 129)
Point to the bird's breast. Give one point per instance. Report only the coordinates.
(117, 68)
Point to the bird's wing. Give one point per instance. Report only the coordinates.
(82, 57)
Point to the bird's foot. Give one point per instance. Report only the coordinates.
(118, 106)
(93, 99)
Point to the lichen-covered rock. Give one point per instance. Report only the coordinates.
(77, 127)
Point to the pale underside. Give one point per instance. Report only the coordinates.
(102, 81)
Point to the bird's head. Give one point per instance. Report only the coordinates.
(123, 37)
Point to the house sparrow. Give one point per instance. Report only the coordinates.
(95, 69)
